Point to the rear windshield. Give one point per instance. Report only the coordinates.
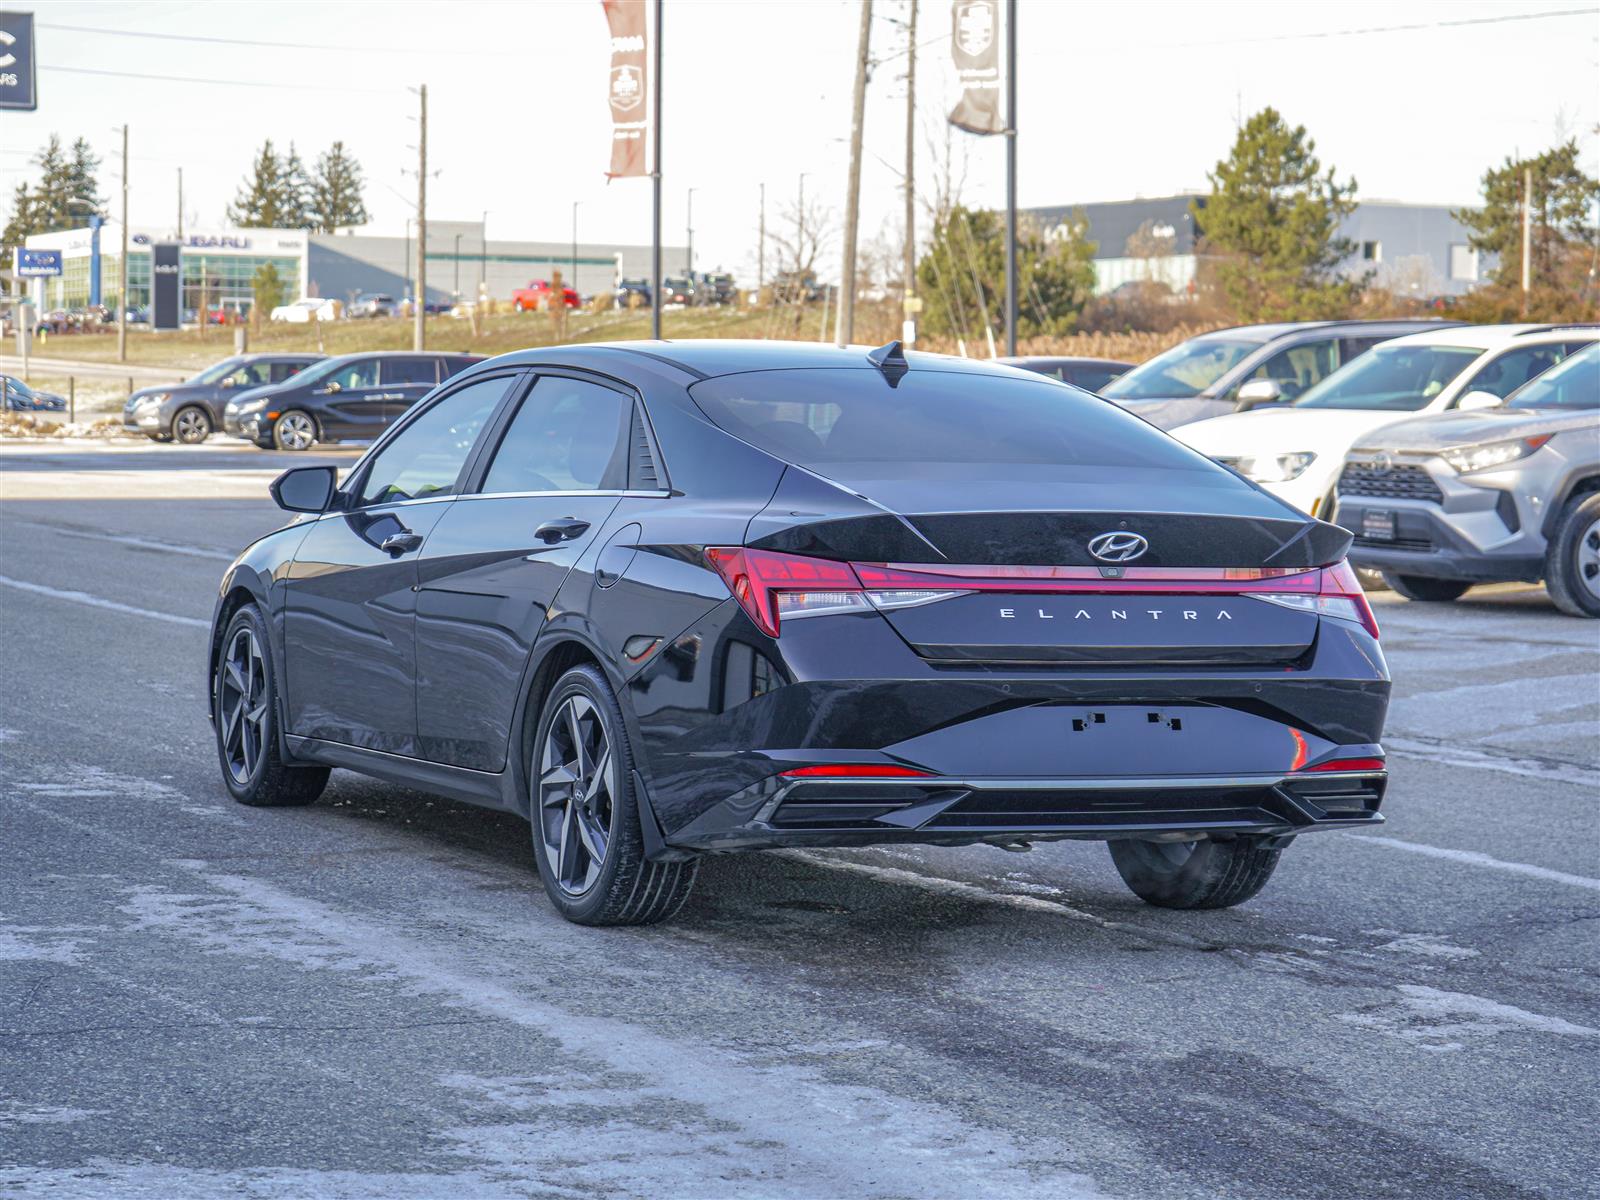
(1572, 384)
(1185, 370)
(821, 416)
(1397, 378)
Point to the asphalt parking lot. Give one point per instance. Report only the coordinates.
(371, 996)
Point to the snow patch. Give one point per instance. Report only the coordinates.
(1445, 1021)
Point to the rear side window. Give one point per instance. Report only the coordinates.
(453, 366)
(568, 436)
(817, 416)
(1092, 378)
(1511, 370)
(284, 370)
(425, 458)
(399, 371)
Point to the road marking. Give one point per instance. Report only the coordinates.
(1475, 859)
(128, 539)
(1450, 755)
(101, 602)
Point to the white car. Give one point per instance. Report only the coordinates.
(1295, 450)
(303, 312)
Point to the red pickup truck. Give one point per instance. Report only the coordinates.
(539, 294)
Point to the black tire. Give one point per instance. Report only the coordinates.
(623, 887)
(191, 425)
(244, 709)
(1204, 874)
(1423, 587)
(295, 431)
(1572, 561)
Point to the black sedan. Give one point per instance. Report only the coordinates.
(669, 598)
(1091, 374)
(352, 396)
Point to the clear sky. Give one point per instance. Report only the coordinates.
(1116, 100)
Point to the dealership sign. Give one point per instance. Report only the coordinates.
(625, 88)
(38, 264)
(18, 78)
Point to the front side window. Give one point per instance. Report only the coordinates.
(425, 458)
(400, 371)
(568, 436)
(362, 373)
(1298, 368)
(250, 375)
(1514, 368)
(1184, 371)
(1392, 377)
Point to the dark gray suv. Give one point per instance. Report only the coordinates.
(191, 411)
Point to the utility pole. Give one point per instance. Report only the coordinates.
(122, 275)
(180, 204)
(852, 208)
(1527, 236)
(1011, 177)
(457, 257)
(419, 329)
(655, 214)
(909, 328)
(761, 245)
(573, 282)
(483, 255)
(688, 254)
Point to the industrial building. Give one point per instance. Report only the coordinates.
(218, 265)
(1417, 250)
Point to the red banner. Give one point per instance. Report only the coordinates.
(626, 92)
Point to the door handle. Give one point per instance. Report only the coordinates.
(401, 543)
(563, 530)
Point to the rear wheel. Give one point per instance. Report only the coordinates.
(586, 835)
(1572, 563)
(1202, 874)
(294, 430)
(191, 426)
(245, 713)
(1423, 587)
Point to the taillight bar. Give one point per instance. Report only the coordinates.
(855, 771)
(769, 585)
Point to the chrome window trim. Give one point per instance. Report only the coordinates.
(345, 512)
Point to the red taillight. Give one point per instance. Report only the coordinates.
(758, 578)
(1350, 764)
(855, 771)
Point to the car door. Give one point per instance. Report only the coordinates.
(350, 599)
(491, 570)
(349, 402)
(405, 379)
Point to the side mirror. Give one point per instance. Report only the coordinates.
(1258, 393)
(333, 387)
(305, 489)
(229, 383)
(1476, 400)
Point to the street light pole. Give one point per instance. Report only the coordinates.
(419, 328)
(1011, 177)
(457, 288)
(655, 214)
(122, 284)
(688, 253)
(573, 282)
(483, 252)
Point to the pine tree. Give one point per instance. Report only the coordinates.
(295, 193)
(65, 196)
(335, 194)
(267, 199)
(1272, 222)
(1564, 196)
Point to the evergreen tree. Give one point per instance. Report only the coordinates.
(1271, 225)
(296, 196)
(269, 197)
(64, 197)
(335, 193)
(962, 276)
(1564, 197)
(266, 292)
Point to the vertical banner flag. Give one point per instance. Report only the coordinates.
(627, 93)
(975, 45)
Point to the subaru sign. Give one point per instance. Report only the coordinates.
(38, 264)
(18, 86)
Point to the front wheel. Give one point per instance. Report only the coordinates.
(586, 835)
(1204, 874)
(244, 700)
(1572, 563)
(294, 430)
(1423, 587)
(191, 426)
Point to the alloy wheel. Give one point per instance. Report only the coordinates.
(295, 431)
(576, 795)
(242, 705)
(1589, 559)
(191, 426)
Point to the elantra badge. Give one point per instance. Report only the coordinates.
(1118, 547)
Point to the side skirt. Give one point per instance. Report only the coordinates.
(485, 788)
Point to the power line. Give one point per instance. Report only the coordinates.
(1411, 28)
(430, 51)
(258, 83)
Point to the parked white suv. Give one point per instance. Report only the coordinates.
(1297, 450)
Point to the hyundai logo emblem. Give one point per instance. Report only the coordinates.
(1118, 547)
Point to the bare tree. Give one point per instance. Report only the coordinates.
(800, 237)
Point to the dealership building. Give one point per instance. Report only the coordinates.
(1416, 250)
(217, 266)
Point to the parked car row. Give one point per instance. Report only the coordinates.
(1391, 429)
(18, 396)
